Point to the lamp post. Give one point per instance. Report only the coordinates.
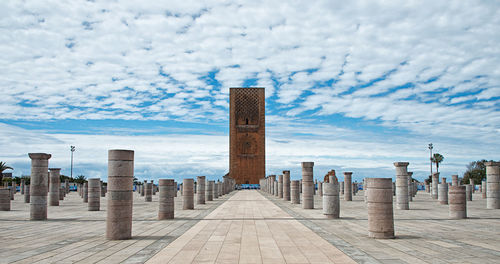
(430, 149)
(72, 148)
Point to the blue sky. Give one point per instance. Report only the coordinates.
(351, 86)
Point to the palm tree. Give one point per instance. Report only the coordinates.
(3, 166)
(80, 179)
(437, 158)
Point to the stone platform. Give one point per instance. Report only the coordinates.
(250, 227)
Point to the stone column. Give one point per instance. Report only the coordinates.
(471, 182)
(393, 189)
(492, 185)
(427, 187)
(314, 186)
(280, 186)
(294, 192)
(85, 192)
(458, 204)
(443, 192)
(22, 186)
(26, 194)
(215, 190)
(348, 186)
(300, 186)
(175, 188)
(188, 194)
(483, 193)
(39, 182)
(103, 189)
(54, 178)
(342, 188)
(12, 191)
(307, 185)
(66, 186)
(410, 189)
(62, 191)
(276, 188)
(331, 201)
(94, 194)
(166, 199)
(200, 194)
(435, 182)
(120, 198)
(468, 192)
(379, 205)
(320, 189)
(148, 192)
(209, 196)
(143, 188)
(454, 180)
(402, 202)
(286, 185)
(153, 191)
(4, 200)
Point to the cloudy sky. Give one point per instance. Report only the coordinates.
(350, 85)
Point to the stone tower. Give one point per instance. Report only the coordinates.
(247, 155)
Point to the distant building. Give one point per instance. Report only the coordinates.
(247, 155)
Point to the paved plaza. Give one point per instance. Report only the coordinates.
(250, 227)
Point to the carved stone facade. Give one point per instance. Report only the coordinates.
(247, 156)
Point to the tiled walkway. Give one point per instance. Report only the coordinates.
(248, 228)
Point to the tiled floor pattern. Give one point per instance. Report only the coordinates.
(248, 228)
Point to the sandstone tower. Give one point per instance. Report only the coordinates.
(247, 155)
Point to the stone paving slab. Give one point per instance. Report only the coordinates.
(74, 235)
(248, 228)
(424, 234)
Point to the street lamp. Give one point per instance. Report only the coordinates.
(72, 148)
(430, 149)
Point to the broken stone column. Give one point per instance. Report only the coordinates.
(307, 185)
(457, 201)
(143, 188)
(120, 198)
(276, 188)
(294, 192)
(188, 194)
(435, 182)
(11, 191)
(468, 192)
(62, 191)
(209, 196)
(103, 189)
(471, 182)
(443, 192)
(85, 192)
(22, 186)
(4, 200)
(427, 187)
(286, 185)
(280, 186)
(342, 188)
(454, 180)
(66, 186)
(166, 199)
(492, 185)
(300, 186)
(27, 194)
(410, 189)
(320, 189)
(402, 202)
(200, 194)
(153, 191)
(39, 185)
(216, 190)
(94, 194)
(148, 192)
(348, 186)
(331, 200)
(483, 193)
(54, 179)
(379, 205)
(176, 190)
